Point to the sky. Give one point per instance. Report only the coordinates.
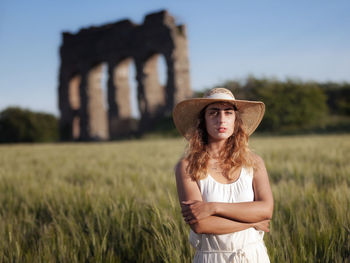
(228, 40)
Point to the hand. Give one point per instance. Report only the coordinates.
(262, 225)
(194, 210)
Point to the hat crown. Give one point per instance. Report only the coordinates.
(219, 93)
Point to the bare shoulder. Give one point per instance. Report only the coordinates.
(258, 161)
(259, 166)
(261, 184)
(187, 188)
(180, 168)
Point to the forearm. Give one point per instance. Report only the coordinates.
(218, 225)
(248, 212)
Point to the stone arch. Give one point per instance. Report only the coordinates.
(74, 103)
(121, 120)
(162, 67)
(117, 44)
(97, 123)
(133, 84)
(74, 93)
(121, 83)
(154, 94)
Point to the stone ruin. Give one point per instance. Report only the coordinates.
(84, 115)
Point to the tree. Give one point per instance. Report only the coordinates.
(292, 105)
(20, 125)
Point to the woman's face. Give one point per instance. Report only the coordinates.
(219, 121)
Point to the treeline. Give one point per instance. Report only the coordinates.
(22, 125)
(292, 106)
(297, 106)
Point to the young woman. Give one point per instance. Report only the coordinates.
(223, 187)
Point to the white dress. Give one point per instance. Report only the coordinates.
(243, 246)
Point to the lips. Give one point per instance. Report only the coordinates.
(222, 129)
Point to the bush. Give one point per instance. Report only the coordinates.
(20, 125)
(338, 97)
(291, 105)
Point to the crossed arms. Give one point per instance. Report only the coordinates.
(223, 218)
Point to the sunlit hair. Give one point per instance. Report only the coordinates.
(235, 153)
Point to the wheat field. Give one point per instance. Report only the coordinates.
(117, 201)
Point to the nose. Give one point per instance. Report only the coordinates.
(221, 116)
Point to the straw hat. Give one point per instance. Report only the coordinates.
(187, 112)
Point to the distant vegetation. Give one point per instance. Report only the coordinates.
(21, 125)
(292, 107)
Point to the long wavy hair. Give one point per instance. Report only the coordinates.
(236, 152)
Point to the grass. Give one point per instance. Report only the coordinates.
(117, 202)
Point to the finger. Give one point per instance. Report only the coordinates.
(185, 207)
(193, 221)
(188, 202)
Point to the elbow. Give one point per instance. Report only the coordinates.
(268, 211)
(268, 216)
(265, 211)
(197, 228)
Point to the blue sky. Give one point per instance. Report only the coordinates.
(309, 40)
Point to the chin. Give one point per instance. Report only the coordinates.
(220, 137)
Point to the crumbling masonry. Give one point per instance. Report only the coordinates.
(83, 113)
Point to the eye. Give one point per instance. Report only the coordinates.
(211, 113)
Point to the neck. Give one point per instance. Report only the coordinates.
(214, 148)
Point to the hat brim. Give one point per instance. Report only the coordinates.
(187, 112)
